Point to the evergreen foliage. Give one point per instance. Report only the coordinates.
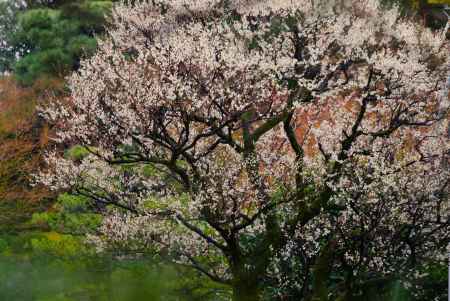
(49, 38)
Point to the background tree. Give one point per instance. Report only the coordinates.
(44, 40)
(430, 12)
(8, 21)
(238, 138)
(49, 38)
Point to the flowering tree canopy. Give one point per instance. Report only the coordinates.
(266, 143)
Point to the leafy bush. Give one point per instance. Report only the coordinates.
(68, 215)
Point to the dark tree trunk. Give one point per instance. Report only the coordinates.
(246, 291)
(245, 282)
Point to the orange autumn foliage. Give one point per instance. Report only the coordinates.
(23, 139)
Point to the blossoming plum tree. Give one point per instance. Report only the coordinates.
(265, 143)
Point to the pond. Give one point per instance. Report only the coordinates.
(53, 267)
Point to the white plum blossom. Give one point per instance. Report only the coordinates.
(265, 142)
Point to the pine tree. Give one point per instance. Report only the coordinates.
(48, 38)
